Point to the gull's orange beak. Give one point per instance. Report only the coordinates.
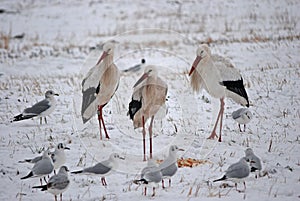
(104, 54)
(195, 64)
(141, 79)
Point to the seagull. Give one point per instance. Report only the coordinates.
(148, 98)
(151, 175)
(237, 172)
(103, 168)
(242, 116)
(57, 184)
(220, 79)
(58, 157)
(41, 168)
(40, 109)
(255, 163)
(169, 167)
(99, 86)
(136, 67)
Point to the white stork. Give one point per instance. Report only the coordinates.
(220, 79)
(149, 96)
(99, 86)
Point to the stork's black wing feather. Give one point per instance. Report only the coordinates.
(88, 96)
(236, 86)
(134, 106)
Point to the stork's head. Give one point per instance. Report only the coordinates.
(108, 49)
(202, 52)
(148, 72)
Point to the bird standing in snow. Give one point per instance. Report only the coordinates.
(57, 184)
(103, 168)
(150, 176)
(99, 86)
(149, 96)
(41, 168)
(255, 163)
(40, 109)
(58, 157)
(169, 167)
(218, 77)
(237, 172)
(242, 116)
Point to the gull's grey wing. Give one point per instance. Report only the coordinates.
(37, 108)
(238, 113)
(152, 174)
(133, 68)
(99, 168)
(169, 170)
(58, 182)
(238, 170)
(42, 167)
(34, 160)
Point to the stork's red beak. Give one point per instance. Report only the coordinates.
(141, 79)
(195, 64)
(104, 54)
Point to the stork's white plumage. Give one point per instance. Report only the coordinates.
(219, 78)
(149, 96)
(99, 86)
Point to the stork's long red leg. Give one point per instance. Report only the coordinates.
(144, 136)
(221, 120)
(213, 133)
(150, 135)
(106, 135)
(99, 119)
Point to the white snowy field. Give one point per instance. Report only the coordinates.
(49, 45)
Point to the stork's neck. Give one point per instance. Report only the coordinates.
(108, 60)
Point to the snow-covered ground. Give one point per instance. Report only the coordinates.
(260, 37)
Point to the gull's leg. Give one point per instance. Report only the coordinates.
(145, 190)
(41, 181)
(221, 120)
(61, 197)
(45, 180)
(244, 127)
(41, 119)
(170, 182)
(150, 135)
(45, 120)
(162, 183)
(144, 136)
(55, 197)
(103, 181)
(240, 128)
(153, 192)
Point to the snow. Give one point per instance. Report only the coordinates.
(260, 37)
